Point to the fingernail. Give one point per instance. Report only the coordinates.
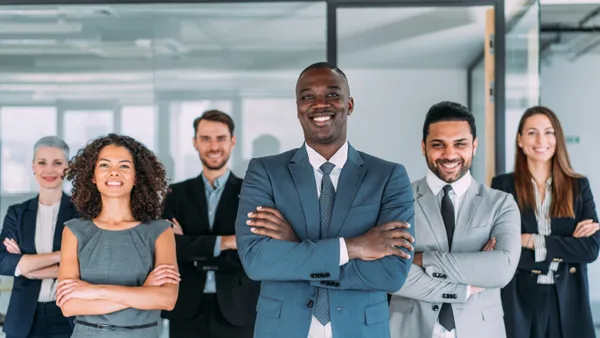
(258, 208)
(408, 225)
(408, 256)
(248, 221)
(250, 214)
(252, 229)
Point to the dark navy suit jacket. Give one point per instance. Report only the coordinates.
(573, 255)
(19, 224)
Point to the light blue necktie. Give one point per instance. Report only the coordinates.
(321, 311)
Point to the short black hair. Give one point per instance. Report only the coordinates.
(448, 111)
(215, 116)
(325, 65)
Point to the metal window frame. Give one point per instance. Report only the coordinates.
(331, 24)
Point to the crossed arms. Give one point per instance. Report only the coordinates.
(538, 252)
(77, 297)
(445, 273)
(14, 263)
(274, 253)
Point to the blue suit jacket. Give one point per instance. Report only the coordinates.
(370, 192)
(19, 224)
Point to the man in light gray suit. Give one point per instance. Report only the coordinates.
(468, 240)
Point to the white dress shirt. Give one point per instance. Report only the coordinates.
(317, 330)
(47, 216)
(459, 188)
(544, 222)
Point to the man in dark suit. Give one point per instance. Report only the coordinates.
(216, 297)
(327, 272)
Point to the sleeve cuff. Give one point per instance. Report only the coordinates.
(17, 272)
(468, 292)
(539, 244)
(343, 252)
(217, 249)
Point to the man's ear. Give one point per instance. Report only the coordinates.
(350, 105)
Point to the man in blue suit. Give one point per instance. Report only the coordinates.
(325, 228)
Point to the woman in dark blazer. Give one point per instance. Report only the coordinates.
(30, 250)
(548, 296)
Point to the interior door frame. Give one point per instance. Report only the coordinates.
(499, 65)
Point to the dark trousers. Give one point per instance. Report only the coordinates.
(48, 322)
(545, 322)
(209, 323)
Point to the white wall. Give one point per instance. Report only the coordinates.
(571, 89)
(390, 107)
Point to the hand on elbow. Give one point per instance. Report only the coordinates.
(381, 241)
(74, 288)
(163, 274)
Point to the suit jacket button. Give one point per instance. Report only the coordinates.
(313, 275)
(324, 282)
(326, 274)
(310, 303)
(337, 284)
(435, 308)
(573, 269)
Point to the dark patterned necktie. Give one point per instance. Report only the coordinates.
(446, 317)
(321, 310)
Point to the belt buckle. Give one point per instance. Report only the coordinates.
(106, 327)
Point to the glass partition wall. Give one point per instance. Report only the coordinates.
(86, 69)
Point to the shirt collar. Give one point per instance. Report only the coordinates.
(219, 182)
(338, 159)
(459, 187)
(548, 182)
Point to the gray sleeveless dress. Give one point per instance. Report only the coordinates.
(122, 257)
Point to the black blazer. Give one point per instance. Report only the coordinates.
(19, 224)
(237, 294)
(571, 278)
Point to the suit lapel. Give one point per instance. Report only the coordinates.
(466, 211)
(348, 184)
(428, 203)
(530, 222)
(29, 226)
(198, 191)
(65, 213)
(306, 186)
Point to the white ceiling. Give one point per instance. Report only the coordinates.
(127, 51)
(141, 52)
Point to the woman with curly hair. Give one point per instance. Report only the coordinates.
(118, 266)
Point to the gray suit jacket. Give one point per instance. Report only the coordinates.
(483, 213)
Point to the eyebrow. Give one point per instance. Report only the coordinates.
(222, 135)
(107, 160)
(442, 141)
(329, 87)
(533, 128)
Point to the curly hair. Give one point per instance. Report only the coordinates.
(148, 193)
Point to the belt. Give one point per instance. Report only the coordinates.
(114, 327)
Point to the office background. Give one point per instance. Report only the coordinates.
(147, 70)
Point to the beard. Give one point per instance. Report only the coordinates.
(435, 167)
(208, 163)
